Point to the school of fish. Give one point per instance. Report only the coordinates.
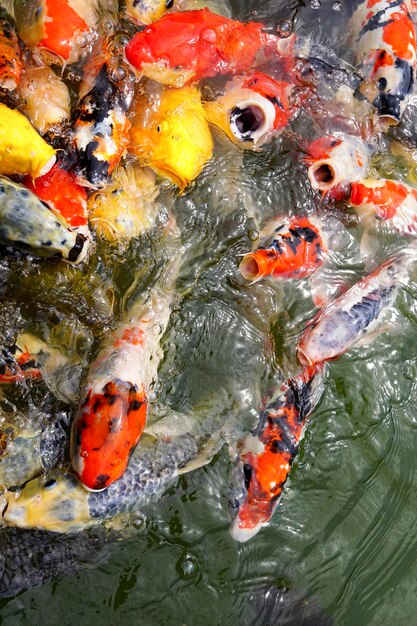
(82, 163)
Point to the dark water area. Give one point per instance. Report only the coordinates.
(342, 546)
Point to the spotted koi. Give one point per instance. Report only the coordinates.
(267, 455)
(385, 46)
(187, 46)
(10, 58)
(288, 247)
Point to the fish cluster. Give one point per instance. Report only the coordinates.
(155, 80)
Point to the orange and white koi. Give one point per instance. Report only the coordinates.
(62, 27)
(267, 455)
(187, 46)
(252, 110)
(386, 204)
(385, 45)
(288, 247)
(113, 410)
(101, 127)
(336, 158)
(45, 98)
(354, 314)
(61, 192)
(10, 58)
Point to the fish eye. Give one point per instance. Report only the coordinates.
(50, 484)
(382, 84)
(158, 129)
(244, 122)
(169, 4)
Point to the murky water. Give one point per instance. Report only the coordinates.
(342, 547)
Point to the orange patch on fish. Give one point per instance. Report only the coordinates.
(134, 336)
(387, 197)
(399, 34)
(61, 25)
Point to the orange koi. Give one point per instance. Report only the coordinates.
(113, 410)
(55, 25)
(336, 158)
(18, 368)
(387, 204)
(385, 45)
(268, 454)
(252, 110)
(10, 58)
(61, 192)
(187, 46)
(288, 247)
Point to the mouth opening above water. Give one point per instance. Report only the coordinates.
(245, 122)
(249, 267)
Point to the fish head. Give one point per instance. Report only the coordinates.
(105, 432)
(147, 11)
(252, 110)
(388, 81)
(56, 503)
(175, 141)
(30, 20)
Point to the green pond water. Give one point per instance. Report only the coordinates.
(342, 547)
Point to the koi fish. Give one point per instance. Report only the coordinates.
(337, 158)
(385, 44)
(57, 502)
(183, 47)
(288, 247)
(59, 26)
(10, 58)
(64, 196)
(125, 208)
(252, 110)
(171, 135)
(147, 11)
(387, 204)
(267, 455)
(357, 312)
(45, 98)
(26, 222)
(18, 368)
(22, 150)
(114, 405)
(101, 127)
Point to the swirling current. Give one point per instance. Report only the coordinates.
(342, 547)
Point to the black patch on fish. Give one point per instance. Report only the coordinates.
(101, 481)
(247, 474)
(134, 405)
(389, 103)
(376, 21)
(305, 233)
(362, 314)
(76, 250)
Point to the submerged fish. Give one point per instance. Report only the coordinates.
(114, 404)
(59, 26)
(171, 135)
(252, 110)
(10, 58)
(22, 150)
(267, 455)
(288, 247)
(355, 313)
(384, 42)
(101, 127)
(26, 222)
(45, 98)
(335, 159)
(183, 47)
(126, 207)
(388, 205)
(61, 192)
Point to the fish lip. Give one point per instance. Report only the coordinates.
(242, 535)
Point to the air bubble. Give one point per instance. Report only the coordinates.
(81, 41)
(139, 522)
(157, 329)
(337, 6)
(118, 74)
(253, 235)
(315, 4)
(284, 28)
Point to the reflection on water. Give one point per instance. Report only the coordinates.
(343, 545)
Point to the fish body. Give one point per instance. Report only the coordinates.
(171, 135)
(126, 207)
(22, 150)
(252, 110)
(101, 127)
(267, 454)
(10, 58)
(288, 247)
(187, 46)
(357, 312)
(385, 45)
(26, 222)
(113, 410)
(337, 158)
(55, 25)
(387, 204)
(61, 192)
(45, 98)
